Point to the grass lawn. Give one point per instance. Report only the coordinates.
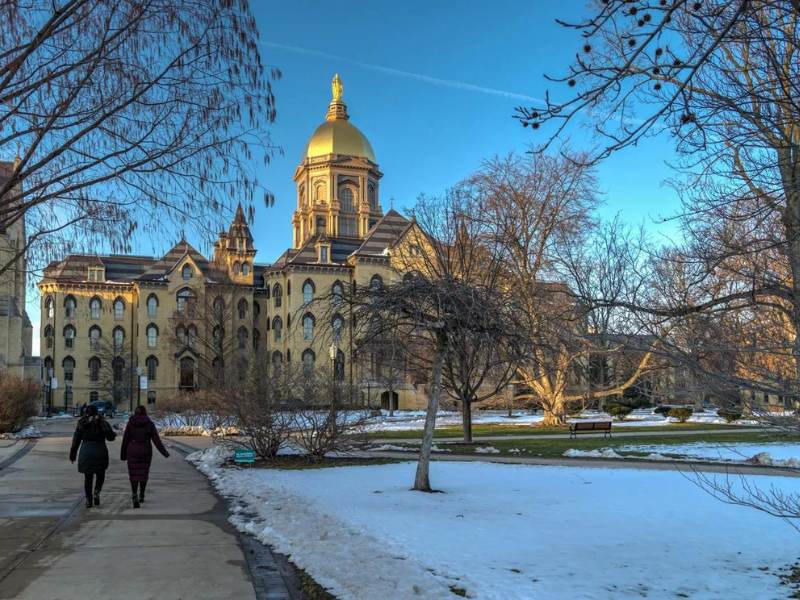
(555, 447)
(501, 429)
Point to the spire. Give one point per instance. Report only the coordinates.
(239, 219)
(337, 109)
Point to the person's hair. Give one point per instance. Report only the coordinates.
(91, 419)
(140, 410)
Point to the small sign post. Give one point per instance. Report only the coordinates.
(244, 456)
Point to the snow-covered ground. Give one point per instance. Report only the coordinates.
(27, 432)
(510, 531)
(774, 453)
(412, 420)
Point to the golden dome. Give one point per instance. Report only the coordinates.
(337, 135)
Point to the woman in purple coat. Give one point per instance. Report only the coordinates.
(138, 451)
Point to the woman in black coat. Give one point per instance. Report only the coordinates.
(90, 436)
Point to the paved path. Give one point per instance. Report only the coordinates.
(617, 433)
(179, 545)
(600, 463)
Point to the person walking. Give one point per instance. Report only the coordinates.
(90, 436)
(138, 451)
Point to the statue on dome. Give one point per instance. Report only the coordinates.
(337, 89)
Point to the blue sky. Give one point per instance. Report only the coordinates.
(433, 86)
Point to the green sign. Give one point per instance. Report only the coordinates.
(244, 456)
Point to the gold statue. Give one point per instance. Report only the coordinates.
(337, 89)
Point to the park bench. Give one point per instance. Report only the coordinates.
(589, 427)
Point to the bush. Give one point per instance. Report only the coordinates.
(730, 415)
(619, 411)
(662, 410)
(18, 401)
(682, 413)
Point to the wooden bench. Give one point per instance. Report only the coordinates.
(589, 427)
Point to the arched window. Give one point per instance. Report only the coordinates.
(180, 334)
(95, 307)
(219, 307)
(94, 369)
(152, 305)
(152, 335)
(69, 368)
(151, 397)
(308, 326)
(48, 337)
(301, 192)
(191, 335)
(308, 361)
(217, 369)
(95, 333)
(337, 326)
(151, 365)
(186, 373)
(219, 337)
(119, 338)
(241, 336)
(308, 291)
(346, 199)
(69, 307)
(119, 309)
(277, 326)
(242, 308)
(256, 339)
(245, 268)
(69, 337)
(337, 293)
(118, 369)
(320, 226)
(320, 193)
(187, 272)
(256, 310)
(372, 196)
(48, 307)
(185, 299)
(277, 362)
(277, 292)
(237, 268)
(376, 282)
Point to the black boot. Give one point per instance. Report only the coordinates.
(135, 499)
(97, 498)
(89, 502)
(141, 497)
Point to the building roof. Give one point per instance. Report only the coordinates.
(163, 267)
(385, 233)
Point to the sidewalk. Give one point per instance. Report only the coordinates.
(178, 545)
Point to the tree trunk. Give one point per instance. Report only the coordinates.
(422, 480)
(555, 414)
(466, 420)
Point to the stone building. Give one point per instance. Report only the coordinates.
(16, 332)
(114, 317)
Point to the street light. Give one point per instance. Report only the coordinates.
(333, 352)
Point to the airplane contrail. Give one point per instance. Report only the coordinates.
(452, 83)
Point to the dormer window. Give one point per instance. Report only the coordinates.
(323, 254)
(237, 268)
(97, 274)
(245, 269)
(186, 272)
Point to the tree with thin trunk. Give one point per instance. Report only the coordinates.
(434, 304)
(128, 117)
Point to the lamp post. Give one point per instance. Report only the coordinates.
(139, 373)
(333, 351)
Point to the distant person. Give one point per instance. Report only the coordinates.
(90, 436)
(138, 451)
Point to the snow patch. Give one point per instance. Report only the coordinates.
(29, 432)
(486, 450)
(498, 531)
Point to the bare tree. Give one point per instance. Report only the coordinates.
(538, 209)
(440, 297)
(128, 117)
(116, 375)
